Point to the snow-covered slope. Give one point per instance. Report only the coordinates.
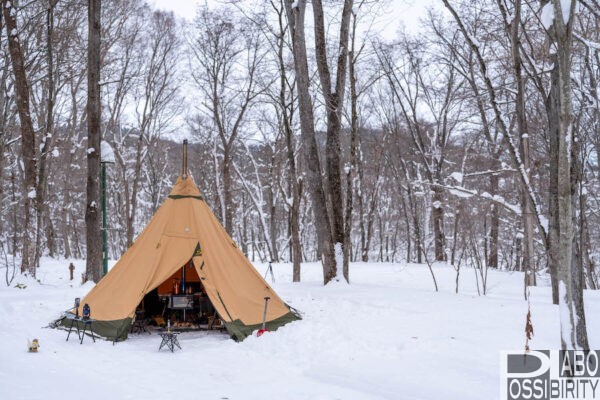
(388, 335)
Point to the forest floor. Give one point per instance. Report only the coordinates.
(388, 335)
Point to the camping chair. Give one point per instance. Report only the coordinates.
(214, 322)
(139, 323)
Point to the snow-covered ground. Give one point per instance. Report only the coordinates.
(388, 335)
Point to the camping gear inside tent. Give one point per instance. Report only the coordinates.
(184, 262)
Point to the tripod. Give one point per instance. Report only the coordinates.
(270, 271)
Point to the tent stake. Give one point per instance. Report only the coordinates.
(263, 330)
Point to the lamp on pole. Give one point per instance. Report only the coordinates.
(107, 156)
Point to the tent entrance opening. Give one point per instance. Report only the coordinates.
(182, 300)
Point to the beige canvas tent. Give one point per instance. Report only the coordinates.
(184, 231)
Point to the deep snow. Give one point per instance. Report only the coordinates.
(388, 335)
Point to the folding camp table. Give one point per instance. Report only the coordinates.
(169, 339)
(81, 334)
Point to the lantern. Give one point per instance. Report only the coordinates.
(86, 311)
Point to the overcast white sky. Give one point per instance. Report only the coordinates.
(398, 12)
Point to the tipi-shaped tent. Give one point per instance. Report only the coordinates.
(184, 229)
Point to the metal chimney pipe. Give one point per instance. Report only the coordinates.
(184, 166)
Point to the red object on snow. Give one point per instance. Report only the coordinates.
(261, 331)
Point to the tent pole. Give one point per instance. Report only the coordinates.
(184, 166)
(104, 244)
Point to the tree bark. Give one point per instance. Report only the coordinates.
(41, 186)
(552, 111)
(572, 315)
(494, 225)
(28, 146)
(93, 269)
(526, 206)
(294, 184)
(437, 212)
(334, 104)
(350, 172)
(309, 142)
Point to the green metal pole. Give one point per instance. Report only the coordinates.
(104, 244)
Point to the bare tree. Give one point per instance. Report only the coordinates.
(93, 269)
(333, 96)
(295, 16)
(155, 93)
(570, 290)
(229, 55)
(28, 145)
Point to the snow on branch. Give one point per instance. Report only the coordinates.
(463, 192)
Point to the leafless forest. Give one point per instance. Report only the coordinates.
(474, 141)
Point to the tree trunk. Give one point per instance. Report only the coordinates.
(93, 269)
(526, 206)
(334, 104)
(494, 225)
(27, 138)
(310, 149)
(350, 172)
(295, 185)
(41, 187)
(227, 198)
(437, 212)
(572, 315)
(65, 234)
(586, 245)
(552, 111)
(273, 212)
(133, 202)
